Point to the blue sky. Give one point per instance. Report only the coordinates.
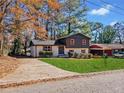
(105, 13)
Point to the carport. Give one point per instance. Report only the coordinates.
(109, 49)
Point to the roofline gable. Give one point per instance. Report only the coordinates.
(73, 35)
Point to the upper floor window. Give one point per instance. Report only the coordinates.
(47, 48)
(84, 42)
(72, 41)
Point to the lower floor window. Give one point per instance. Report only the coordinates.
(71, 51)
(47, 48)
(82, 51)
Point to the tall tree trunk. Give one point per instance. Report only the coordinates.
(120, 41)
(54, 35)
(1, 48)
(47, 29)
(2, 43)
(51, 33)
(4, 46)
(69, 28)
(95, 41)
(25, 47)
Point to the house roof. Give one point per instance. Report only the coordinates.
(107, 46)
(45, 42)
(73, 35)
(59, 41)
(116, 46)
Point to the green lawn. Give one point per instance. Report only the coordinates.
(85, 65)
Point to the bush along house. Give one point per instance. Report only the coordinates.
(77, 43)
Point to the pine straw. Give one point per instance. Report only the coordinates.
(7, 65)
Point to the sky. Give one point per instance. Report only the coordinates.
(106, 13)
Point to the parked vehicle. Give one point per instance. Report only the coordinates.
(119, 55)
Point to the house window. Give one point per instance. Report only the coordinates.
(47, 48)
(83, 51)
(72, 41)
(71, 51)
(84, 42)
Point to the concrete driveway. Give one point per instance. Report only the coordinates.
(33, 69)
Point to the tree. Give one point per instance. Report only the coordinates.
(102, 34)
(107, 35)
(16, 49)
(4, 6)
(75, 11)
(69, 18)
(119, 27)
(17, 15)
(96, 29)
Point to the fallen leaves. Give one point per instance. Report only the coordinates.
(7, 65)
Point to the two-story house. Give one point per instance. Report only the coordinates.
(78, 43)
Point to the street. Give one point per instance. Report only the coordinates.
(108, 83)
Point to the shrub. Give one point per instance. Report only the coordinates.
(78, 56)
(45, 53)
(90, 55)
(82, 55)
(49, 53)
(41, 53)
(70, 54)
(96, 56)
(75, 55)
(86, 56)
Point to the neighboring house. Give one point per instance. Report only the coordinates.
(78, 43)
(109, 49)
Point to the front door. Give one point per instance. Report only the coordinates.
(61, 49)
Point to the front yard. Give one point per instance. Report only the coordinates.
(8, 65)
(86, 65)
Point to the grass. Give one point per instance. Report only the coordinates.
(85, 65)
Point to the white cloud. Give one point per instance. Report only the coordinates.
(108, 7)
(101, 11)
(113, 23)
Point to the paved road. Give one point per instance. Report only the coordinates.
(108, 83)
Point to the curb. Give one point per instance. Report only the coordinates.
(16, 84)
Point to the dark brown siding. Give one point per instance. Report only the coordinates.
(78, 41)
